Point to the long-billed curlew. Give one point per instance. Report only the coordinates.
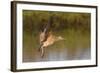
(47, 40)
(46, 36)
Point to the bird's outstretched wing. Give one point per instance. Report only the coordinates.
(47, 29)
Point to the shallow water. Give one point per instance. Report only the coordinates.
(69, 49)
(57, 55)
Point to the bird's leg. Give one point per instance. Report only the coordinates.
(39, 49)
(42, 52)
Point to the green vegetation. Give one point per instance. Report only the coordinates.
(36, 20)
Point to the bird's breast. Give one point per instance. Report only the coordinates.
(49, 42)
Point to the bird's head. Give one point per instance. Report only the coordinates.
(60, 38)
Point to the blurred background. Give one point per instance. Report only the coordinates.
(75, 28)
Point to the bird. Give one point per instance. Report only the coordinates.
(48, 40)
(46, 36)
